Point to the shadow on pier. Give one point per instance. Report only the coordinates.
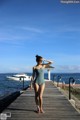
(6, 101)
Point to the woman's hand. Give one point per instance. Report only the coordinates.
(47, 60)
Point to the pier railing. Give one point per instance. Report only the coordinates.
(71, 87)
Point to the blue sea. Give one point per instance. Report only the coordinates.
(9, 86)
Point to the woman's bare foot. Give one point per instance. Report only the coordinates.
(42, 111)
(38, 109)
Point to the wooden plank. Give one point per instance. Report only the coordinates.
(55, 105)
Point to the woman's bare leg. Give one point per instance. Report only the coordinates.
(36, 89)
(41, 90)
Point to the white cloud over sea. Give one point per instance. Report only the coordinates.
(21, 69)
(67, 68)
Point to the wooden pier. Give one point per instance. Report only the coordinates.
(55, 104)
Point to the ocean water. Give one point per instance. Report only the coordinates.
(9, 86)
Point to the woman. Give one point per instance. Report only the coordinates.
(38, 81)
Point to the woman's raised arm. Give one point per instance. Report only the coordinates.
(46, 65)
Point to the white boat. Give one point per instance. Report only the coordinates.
(19, 77)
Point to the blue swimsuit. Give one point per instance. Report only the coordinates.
(39, 76)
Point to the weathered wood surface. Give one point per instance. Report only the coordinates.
(55, 105)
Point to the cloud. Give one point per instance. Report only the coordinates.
(63, 29)
(67, 58)
(66, 62)
(18, 33)
(9, 38)
(67, 68)
(15, 69)
(21, 69)
(31, 29)
(66, 28)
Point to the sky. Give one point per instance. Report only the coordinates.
(49, 28)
